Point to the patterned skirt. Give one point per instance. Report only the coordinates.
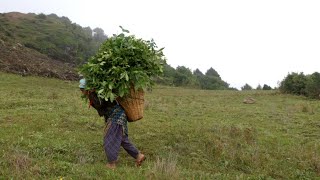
(116, 135)
(117, 115)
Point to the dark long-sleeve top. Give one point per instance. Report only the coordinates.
(102, 106)
(112, 112)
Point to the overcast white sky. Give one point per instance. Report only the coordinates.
(245, 41)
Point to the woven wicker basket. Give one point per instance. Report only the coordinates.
(133, 104)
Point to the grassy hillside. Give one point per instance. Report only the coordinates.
(45, 45)
(57, 37)
(48, 132)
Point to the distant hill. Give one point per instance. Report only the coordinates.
(45, 45)
(53, 46)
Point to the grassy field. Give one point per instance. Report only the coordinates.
(48, 132)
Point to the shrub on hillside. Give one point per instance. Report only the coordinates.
(246, 87)
(184, 77)
(266, 87)
(313, 86)
(300, 84)
(294, 83)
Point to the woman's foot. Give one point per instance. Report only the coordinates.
(140, 158)
(111, 165)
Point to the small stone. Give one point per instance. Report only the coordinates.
(249, 100)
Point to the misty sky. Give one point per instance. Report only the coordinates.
(245, 41)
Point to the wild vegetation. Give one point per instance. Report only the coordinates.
(51, 35)
(48, 132)
(45, 45)
(184, 77)
(300, 84)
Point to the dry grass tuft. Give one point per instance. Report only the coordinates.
(164, 169)
(20, 161)
(316, 163)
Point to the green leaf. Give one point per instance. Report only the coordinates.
(122, 75)
(121, 93)
(104, 83)
(110, 85)
(124, 30)
(100, 91)
(112, 97)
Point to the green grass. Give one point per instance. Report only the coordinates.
(48, 132)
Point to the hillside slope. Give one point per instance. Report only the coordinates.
(45, 45)
(15, 58)
(48, 132)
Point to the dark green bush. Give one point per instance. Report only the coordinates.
(294, 83)
(266, 87)
(313, 86)
(300, 84)
(246, 87)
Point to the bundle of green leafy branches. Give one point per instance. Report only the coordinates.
(123, 61)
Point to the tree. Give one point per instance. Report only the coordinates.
(99, 35)
(212, 83)
(211, 80)
(53, 15)
(183, 77)
(41, 16)
(294, 83)
(65, 20)
(197, 72)
(88, 32)
(313, 86)
(167, 76)
(266, 87)
(199, 77)
(300, 84)
(259, 87)
(168, 71)
(246, 87)
(212, 72)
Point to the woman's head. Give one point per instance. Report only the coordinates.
(82, 86)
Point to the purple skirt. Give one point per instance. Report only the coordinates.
(113, 139)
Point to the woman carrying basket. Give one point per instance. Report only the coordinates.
(116, 129)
